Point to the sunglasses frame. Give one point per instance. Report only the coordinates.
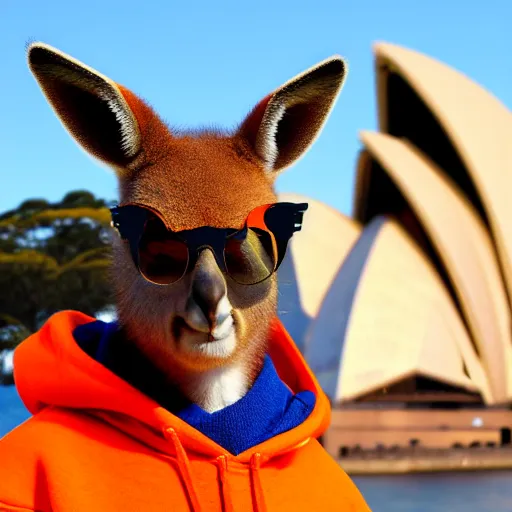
(282, 220)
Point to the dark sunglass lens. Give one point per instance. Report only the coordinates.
(250, 256)
(163, 258)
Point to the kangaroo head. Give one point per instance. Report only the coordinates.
(206, 321)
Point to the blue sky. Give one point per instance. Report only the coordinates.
(209, 62)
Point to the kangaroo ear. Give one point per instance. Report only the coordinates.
(282, 127)
(90, 105)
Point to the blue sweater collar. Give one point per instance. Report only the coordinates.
(267, 409)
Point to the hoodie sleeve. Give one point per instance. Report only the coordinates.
(22, 481)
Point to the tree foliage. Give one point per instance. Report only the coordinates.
(52, 257)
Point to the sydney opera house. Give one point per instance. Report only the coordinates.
(407, 322)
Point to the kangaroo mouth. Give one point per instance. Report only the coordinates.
(216, 345)
(181, 328)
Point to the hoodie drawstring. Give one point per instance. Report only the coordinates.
(258, 495)
(227, 504)
(185, 470)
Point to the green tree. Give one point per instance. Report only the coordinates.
(52, 257)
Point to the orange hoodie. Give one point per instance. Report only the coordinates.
(95, 443)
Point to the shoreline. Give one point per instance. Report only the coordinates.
(442, 461)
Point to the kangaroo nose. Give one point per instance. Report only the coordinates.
(205, 306)
(207, 292)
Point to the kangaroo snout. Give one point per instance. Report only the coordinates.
(208, 309)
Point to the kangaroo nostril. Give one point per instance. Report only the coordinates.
(207, 292)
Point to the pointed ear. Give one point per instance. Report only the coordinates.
(282, 127)
(91, 106)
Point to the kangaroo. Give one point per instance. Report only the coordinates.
(193, 179)
(201, 235)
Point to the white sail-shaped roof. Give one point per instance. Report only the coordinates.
(386, 317)
(313, 257)
(460, 240)
(461, 114)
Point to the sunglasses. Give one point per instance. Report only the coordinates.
(248, 255)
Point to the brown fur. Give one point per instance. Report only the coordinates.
(174, 176)
(195, 179)
(179, 186)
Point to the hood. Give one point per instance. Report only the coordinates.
(50, 369)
